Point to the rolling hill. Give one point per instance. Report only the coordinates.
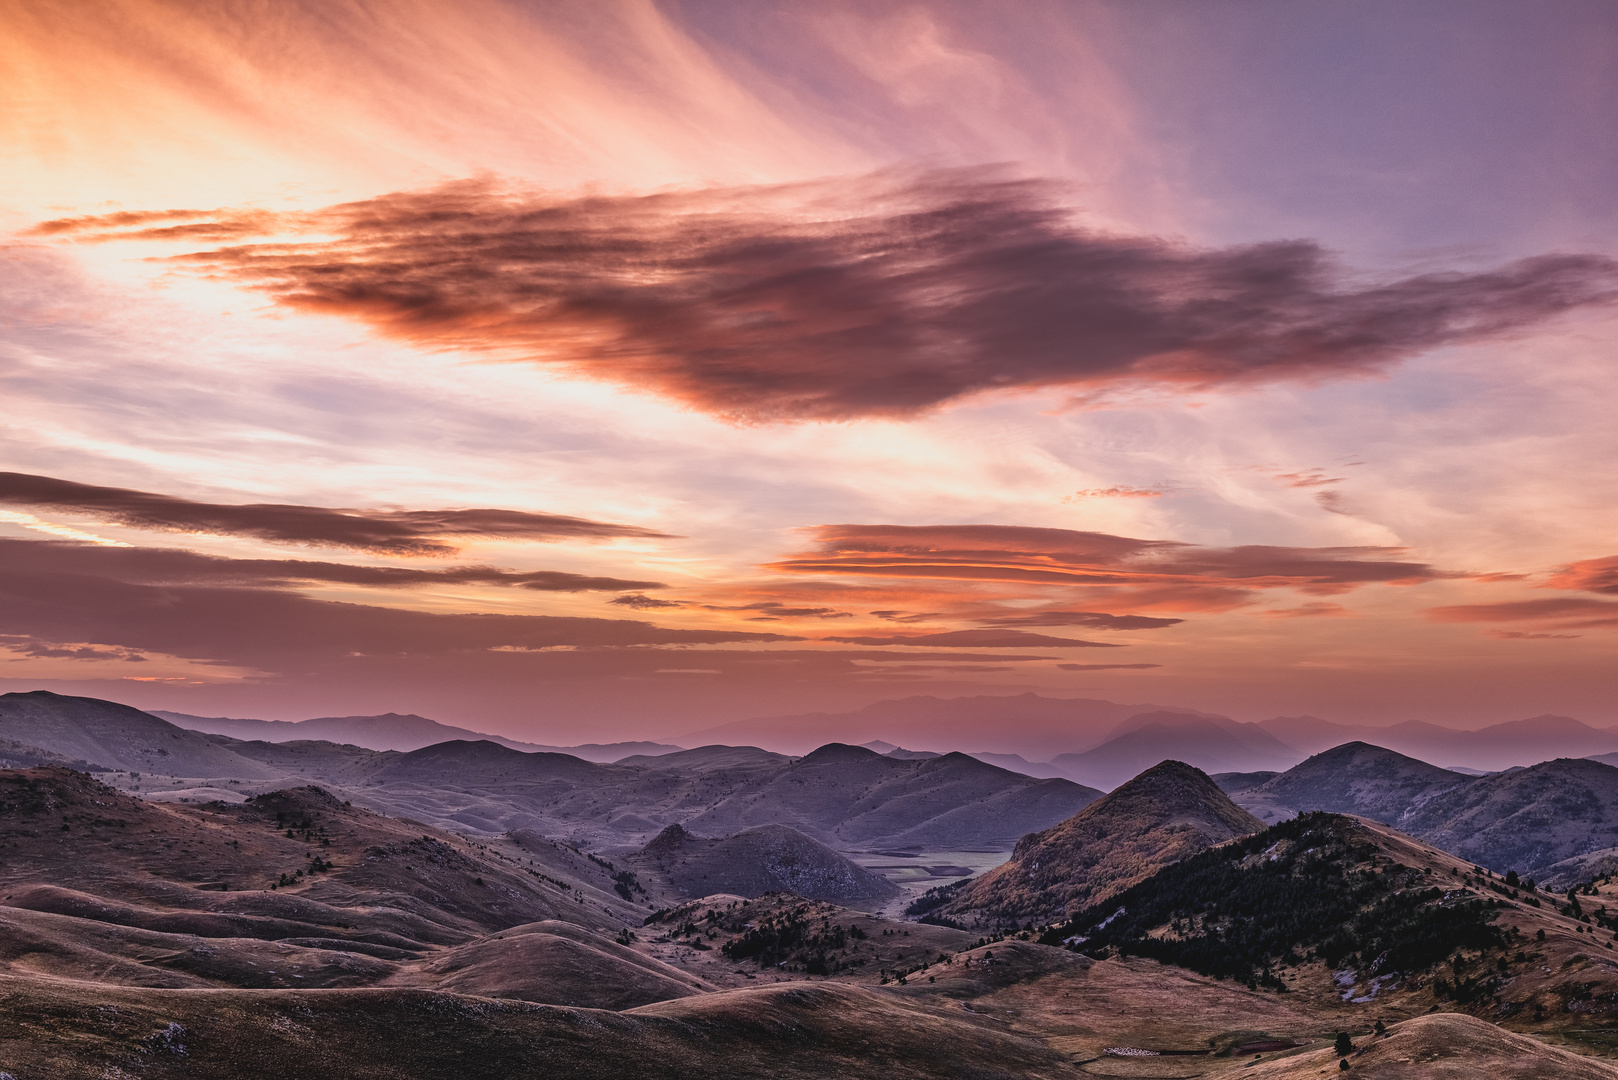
(116, 737)
(295, 934)
(765, 859)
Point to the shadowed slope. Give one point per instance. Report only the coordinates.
(1524, 820)
(555, 963)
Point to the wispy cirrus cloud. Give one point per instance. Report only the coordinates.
(389, 532)
(883, 295)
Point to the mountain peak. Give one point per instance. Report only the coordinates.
(1168, 812)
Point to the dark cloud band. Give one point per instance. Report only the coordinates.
(390, 532)
(877, 296)
(1005, 553)
(170, 566)
(978, 639)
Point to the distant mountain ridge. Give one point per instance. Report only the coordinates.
(1489, 749)
(1025, 724)
(392, 731)
(1089, 741)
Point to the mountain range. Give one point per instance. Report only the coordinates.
(1091, 742)
(1101, 743)
(383, 913)
(842, 795)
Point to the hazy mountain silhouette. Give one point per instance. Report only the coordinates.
(1043, 770)
(1027, 724)
(391, 731)
(1212, 744)
(1489, 749)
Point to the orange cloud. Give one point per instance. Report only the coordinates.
(1116, 493)
(1315, 610)
(1589, 575)
(1575, 613)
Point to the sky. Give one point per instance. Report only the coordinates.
(613, 370)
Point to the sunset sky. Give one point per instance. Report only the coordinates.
(585, 371)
